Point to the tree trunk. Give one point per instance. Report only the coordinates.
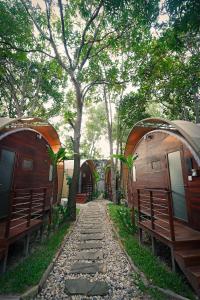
(112, 166)
(76, 146)
(197, 108)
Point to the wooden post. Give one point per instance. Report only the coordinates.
(171, 218)
(26, 246)
(5, 260)
(152, 211)
(174, 266)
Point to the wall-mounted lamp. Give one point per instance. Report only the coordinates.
(194, 173)
(148, 137)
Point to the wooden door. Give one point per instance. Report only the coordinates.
(177, 186)
(7, 159)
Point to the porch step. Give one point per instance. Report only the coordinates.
(189, 262)
(81, 197)
(190, 257)
(195, 271)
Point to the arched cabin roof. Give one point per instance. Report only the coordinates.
(91, 165)
(188, 130)
(69, 164)
(41, 126)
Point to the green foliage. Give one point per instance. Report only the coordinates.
(133, 108)
(57, 157)
(28, 80)
(184, 15)
(96, 176)
(127, 160)
(95, 194)
(95, 129)
(29, 272)
(155, 271)
(60, 214)
(69, 179)
(124, 215)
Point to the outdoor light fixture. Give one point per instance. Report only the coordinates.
(194, 173)
(148, 137)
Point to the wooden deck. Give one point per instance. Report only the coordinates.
(182, 232)
(19, 228)
(155, 212)
(26, 214)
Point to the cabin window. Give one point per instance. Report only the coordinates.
(27, 164)
(50, 173)
(134, 173)
(156, 165)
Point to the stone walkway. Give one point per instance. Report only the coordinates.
(92, 264)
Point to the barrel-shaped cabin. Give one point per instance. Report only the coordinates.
(86, 181)
(27, 185)
(91, 178)
(86, 185)
(166, 188)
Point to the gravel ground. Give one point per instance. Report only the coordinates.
(118, 270)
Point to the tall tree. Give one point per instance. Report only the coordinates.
(79, 32)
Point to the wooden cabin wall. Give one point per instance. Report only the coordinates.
(152, 170)
(28, 146)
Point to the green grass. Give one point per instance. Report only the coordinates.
(29, 272)
(155, 271)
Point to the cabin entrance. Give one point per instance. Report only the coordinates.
(177, 186)
(7, 159)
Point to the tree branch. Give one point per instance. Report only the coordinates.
(24, 2)
(13, 47)
(63, 33)
(93, 17)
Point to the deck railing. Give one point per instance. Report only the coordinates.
(26, 206)
(155, 210)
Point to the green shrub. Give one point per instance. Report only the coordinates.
(124, 215)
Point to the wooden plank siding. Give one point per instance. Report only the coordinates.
(152, 170)
(27, 146)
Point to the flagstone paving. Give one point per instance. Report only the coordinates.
(92, 265)
(90, 255)
(89, 245)
(88, 237)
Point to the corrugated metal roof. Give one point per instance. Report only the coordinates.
(188, 130)
(44, 128)
(40, 125)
